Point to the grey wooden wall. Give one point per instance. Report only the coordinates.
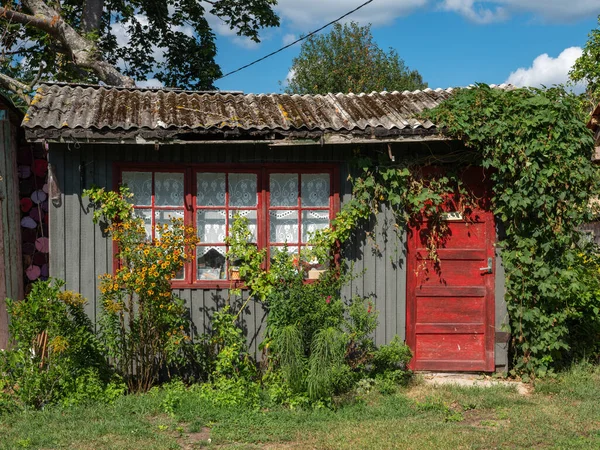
(80, 253)
(11, 268)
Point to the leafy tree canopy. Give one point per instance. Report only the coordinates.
(587, 66)
(348, 60)
(117, 41)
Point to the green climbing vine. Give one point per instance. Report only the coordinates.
(536, 143)
(537, 152)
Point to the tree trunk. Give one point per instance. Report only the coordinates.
(92, 15)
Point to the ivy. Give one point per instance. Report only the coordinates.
(538, 153)
(536, 143)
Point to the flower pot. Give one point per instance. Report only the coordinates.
(315, 274)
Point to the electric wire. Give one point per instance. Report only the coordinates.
(296, 41)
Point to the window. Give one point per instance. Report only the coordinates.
(283, 207)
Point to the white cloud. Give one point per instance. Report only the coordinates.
(245, 42)
(547, 70)
(289, 38)
(309, 14)
(485, 11)
(475, 12)
(289, 77)
(150, 83)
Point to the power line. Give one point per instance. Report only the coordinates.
(296, 41)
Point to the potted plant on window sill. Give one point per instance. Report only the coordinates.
(234, 270)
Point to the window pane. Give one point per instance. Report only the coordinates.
(140, 185)
(211, 263)
(283, 189)
(242, 189)
(164, 217)
(315, 189)
(211, 225)
(146, 215)
(210, 189)
(313, 221)
(180, 275)
(283, 226)
(251, 215)
(168, 189)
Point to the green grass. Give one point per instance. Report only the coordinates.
(561, 413)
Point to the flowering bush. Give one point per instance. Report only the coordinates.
(55, 356)
(143, 325)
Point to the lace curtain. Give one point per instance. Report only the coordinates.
(140, 185)
(168, 188)
(315, 190)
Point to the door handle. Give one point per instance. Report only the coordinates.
(487, 269)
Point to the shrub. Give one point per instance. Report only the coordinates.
(361, 324)
(390, 361)
(54, 355)
(312, 347)
(144, 326)
(233, 381)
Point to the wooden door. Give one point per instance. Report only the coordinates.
(450, 304)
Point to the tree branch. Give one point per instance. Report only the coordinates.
(41, 23)
(20, 89)
(82, 50)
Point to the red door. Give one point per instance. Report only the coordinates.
(450, 305)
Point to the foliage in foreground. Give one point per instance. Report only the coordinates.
(316, 345)
(348, 60)
(560, 413)
(536, 143)
(143, 326)
(55, 356)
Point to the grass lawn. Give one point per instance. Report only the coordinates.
(560, 413)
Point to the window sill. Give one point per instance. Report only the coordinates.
(209, 284)
(218, 284)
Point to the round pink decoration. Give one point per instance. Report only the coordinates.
(41, 244)
(33, 272)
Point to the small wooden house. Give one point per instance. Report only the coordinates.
(283, 162)
(11, 269)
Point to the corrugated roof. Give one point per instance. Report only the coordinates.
(92, 111)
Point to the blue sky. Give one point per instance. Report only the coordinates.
(450, 42)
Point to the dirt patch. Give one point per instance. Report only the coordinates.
(189, 441)
(474, 380)
(481, 418)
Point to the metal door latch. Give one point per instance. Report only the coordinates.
(487, 269)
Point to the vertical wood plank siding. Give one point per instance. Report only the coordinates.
(11, 273)
(80, 253)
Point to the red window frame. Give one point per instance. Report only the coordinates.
(263, 171)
